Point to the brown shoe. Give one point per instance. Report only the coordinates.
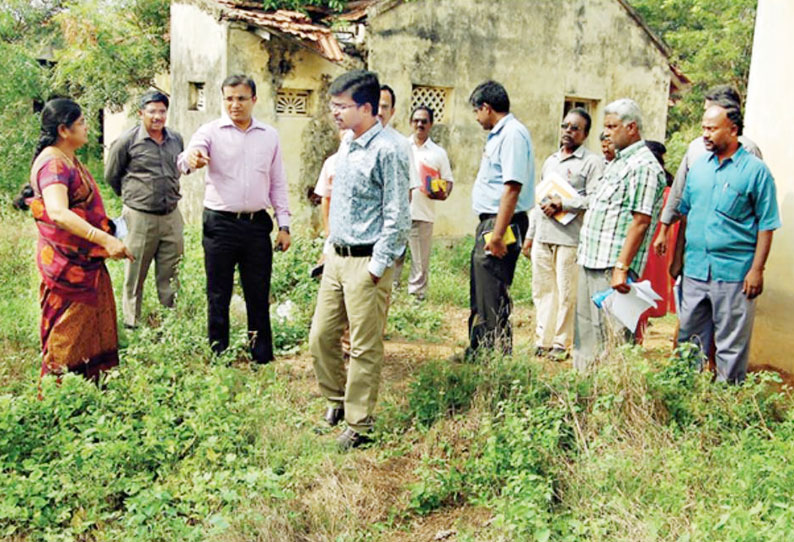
(351, 439)
(334, 415)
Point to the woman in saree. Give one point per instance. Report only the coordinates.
(78, 311)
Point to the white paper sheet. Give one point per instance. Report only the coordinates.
(628, 308)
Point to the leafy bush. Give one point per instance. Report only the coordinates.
(159, 448)
(441, 389)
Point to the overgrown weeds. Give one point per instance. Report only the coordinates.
(630, 452)
(180, 445)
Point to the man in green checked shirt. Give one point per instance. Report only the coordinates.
(614, 241)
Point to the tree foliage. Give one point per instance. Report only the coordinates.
(711, 41)
(95, 51)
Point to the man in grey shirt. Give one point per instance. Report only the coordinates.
(141, 168)
(551, 245)
(696, 149)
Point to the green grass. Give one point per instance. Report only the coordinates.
(180, 445)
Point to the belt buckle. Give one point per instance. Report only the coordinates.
(344, 251)
(247, 215)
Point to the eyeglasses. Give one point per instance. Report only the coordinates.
(340, 107)
(573, 127)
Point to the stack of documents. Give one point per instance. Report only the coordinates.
(628, 308)
(555, 185)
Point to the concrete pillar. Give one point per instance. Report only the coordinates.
(769, 121)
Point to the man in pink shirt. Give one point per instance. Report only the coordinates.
(245, 175)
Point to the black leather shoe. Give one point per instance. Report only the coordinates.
(350, 439)
(334, 415)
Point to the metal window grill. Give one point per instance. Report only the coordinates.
(433, 97)
(292, 102)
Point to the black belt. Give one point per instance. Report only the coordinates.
(159, 212)
(353, 251)
(488, 216)
(253, 216)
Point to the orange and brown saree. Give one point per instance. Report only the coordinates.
(78, 311)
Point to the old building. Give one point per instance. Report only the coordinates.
(551, 55)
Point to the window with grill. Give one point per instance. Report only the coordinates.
(196, 96)
(571, 103)
(293, 102)
(436, 98)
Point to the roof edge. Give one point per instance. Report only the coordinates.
(654, 37)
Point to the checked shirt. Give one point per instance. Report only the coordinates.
(633, 183)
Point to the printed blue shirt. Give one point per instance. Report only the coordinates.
(508, 157)
(369, 205)
(726, 205)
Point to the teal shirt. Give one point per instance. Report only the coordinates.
(726, 205)
(508, 157)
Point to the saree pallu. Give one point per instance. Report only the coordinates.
(78, 311)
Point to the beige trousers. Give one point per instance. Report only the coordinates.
(420, 240)
(348, 295)
(554, 274)
(151, 237)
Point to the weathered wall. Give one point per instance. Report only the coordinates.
(276, 63)
(198, 54)
(768, 122)
(541, 50)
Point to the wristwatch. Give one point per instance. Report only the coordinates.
(622, 266)
(283, 228)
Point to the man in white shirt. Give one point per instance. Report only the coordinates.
(433, 182)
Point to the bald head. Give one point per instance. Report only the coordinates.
(720, 133)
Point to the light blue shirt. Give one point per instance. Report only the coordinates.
(726, 205)
(369, 203)
(508, 157)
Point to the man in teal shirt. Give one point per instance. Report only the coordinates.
(731, 210)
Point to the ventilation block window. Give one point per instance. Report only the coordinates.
(293, 102)
(196, 96)
(436, 98)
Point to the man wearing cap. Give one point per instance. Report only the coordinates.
(141, 168)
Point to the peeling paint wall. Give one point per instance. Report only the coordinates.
(198, 54)
(768, 122)
(541, 50)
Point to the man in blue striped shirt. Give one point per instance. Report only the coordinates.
(369, 219)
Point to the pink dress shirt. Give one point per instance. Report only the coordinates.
(245, 173)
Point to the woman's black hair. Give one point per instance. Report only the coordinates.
(56, 112)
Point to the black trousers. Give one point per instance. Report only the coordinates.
(230, 242)
(489, 321)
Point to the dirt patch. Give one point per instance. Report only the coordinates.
(445, 525)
